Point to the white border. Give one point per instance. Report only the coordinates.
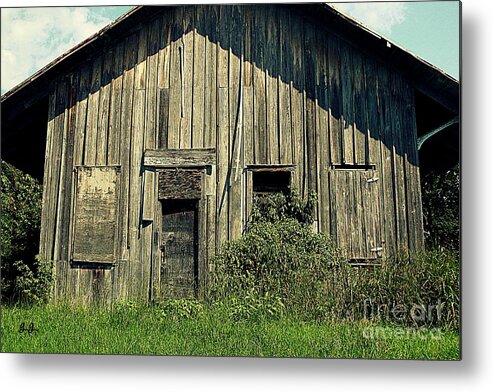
(127, 373)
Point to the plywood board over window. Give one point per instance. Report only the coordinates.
(95, 214)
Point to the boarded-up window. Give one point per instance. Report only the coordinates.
(96, 207)
(355, 211)
(180, 184)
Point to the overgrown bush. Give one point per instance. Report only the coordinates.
(280, 261)
(441, 209)
(24, 277)
(279, 256)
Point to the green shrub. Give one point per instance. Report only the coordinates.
(281, 206)
(183, 308)
(33, 284)
(284, 259)
(20, 221)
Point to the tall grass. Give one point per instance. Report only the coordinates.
(419, 291)
(212, 332)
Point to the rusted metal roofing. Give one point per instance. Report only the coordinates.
(426, 77)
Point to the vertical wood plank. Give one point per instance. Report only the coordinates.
(114, 129)
(164, 50)
(284, 79)
(199, 61)
(248, 109)
(346, 54)
(140, 82)
(135, 235)
(398, 156)
(104, 107)
(374, 138)
(45, 230)
(248, 113)
(163, 78)
(223, 142)
(360, 110)
(222, 168)
(271, 68)
(126, 136)
(187, 58)
(386, 142)
(335, 101)
(235, 123)
(175, 87)
(163, 117)
(59, 126)
(151, 131)
(311, 105)
(333, 212)
(61, 173)
(323, 143)
(297, 108)
(210, 98)
(93, 113)
(414, 203)
(259, 85)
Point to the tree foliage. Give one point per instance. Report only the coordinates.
(22, 272)
(441, 209)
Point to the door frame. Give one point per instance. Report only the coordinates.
(203, 159)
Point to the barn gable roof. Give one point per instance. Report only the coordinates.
(425, 77)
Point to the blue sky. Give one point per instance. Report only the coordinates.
(32, 37)
(429, 29)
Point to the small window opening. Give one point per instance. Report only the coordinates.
(265, 182)
(353, 166)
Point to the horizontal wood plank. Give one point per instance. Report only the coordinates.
(180, 157)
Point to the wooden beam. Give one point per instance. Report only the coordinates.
(424, 138)
(180, 157)
(270, 167)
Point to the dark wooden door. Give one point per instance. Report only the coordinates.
(179, 248)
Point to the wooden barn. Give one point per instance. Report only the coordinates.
(157, 132)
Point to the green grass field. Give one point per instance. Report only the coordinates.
(146, 331)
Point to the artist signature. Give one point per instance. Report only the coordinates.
(28, 328)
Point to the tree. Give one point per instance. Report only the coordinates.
(441, 208)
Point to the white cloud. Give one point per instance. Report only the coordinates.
(378, 16)
(32, 37)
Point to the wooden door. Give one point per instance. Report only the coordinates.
(179, 248)
(355, 213)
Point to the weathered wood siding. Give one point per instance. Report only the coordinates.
(260, 84)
